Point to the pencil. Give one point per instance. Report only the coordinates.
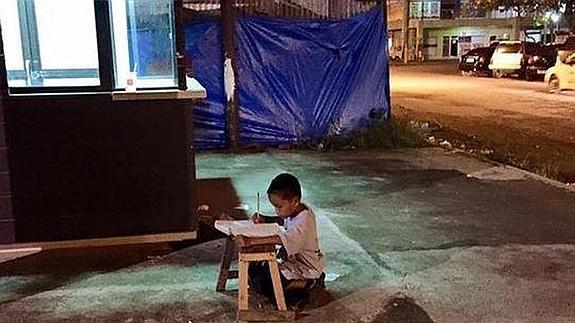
(258, 204)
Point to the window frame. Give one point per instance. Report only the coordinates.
(105, 47)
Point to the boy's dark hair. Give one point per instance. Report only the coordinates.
(286, 186)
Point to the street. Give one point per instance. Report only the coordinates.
(515, 118)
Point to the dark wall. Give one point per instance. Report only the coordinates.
(85, 166)
(6, 216)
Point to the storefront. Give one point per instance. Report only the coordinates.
(97, 122)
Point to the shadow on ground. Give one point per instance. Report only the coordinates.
(402, 310)
(51, 269)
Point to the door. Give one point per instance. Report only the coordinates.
(445, 47)
(454, 46)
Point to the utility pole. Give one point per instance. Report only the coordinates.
(230, 84)
(419, 34)
(405, 31)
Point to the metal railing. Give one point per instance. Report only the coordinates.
(297, 9)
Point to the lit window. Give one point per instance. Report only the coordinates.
(50, 43)
(144, 46)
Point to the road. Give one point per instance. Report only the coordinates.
(517, 119)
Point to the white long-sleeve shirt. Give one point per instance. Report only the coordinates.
(304, 258)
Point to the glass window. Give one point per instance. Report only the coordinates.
(51, 42)
(11, 35)
(144, 46)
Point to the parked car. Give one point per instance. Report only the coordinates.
(476, 61)
(537, 64)
(562, 75)
(510, 57)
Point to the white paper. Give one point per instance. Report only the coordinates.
(248, 228)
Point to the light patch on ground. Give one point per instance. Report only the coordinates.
(346, 259)
(149, 286)
(8, 254)
(499, 173)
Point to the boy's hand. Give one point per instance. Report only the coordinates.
(258, 218)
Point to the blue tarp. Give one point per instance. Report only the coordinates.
(204, 46)
(298, 80)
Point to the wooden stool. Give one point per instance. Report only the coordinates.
(247, 255)
(225, 272)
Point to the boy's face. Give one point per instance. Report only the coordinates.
(284, 207)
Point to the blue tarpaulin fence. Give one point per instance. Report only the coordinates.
(297, 80)
(204, 46)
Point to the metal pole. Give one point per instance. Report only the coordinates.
(420, 33)
(180, 44)
(405, 30)
(229, 40)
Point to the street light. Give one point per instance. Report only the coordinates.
(554, 17)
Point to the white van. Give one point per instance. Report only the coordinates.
(509, 58)
(562, 75)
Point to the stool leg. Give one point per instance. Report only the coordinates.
(276, 280)
(243, 285)
(225, 265)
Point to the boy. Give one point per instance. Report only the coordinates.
(301, 261)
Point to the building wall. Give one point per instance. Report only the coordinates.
(394, 10)
(85, 166)
(468, 37)
(6, 214)
(7, 223)
(469, 26)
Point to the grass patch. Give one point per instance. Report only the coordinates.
(545, 168)
(392, 133)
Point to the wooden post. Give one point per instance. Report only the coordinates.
(225, 273)
(229, 40)
(383, 5)
(277, 284)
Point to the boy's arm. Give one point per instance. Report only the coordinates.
(260, 218)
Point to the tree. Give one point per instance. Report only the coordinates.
(532, 8)
(569, 13)
(523, 8)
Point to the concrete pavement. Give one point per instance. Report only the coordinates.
(418, 235)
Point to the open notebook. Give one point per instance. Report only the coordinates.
(248, 228)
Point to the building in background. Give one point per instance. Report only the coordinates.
(446, 29)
